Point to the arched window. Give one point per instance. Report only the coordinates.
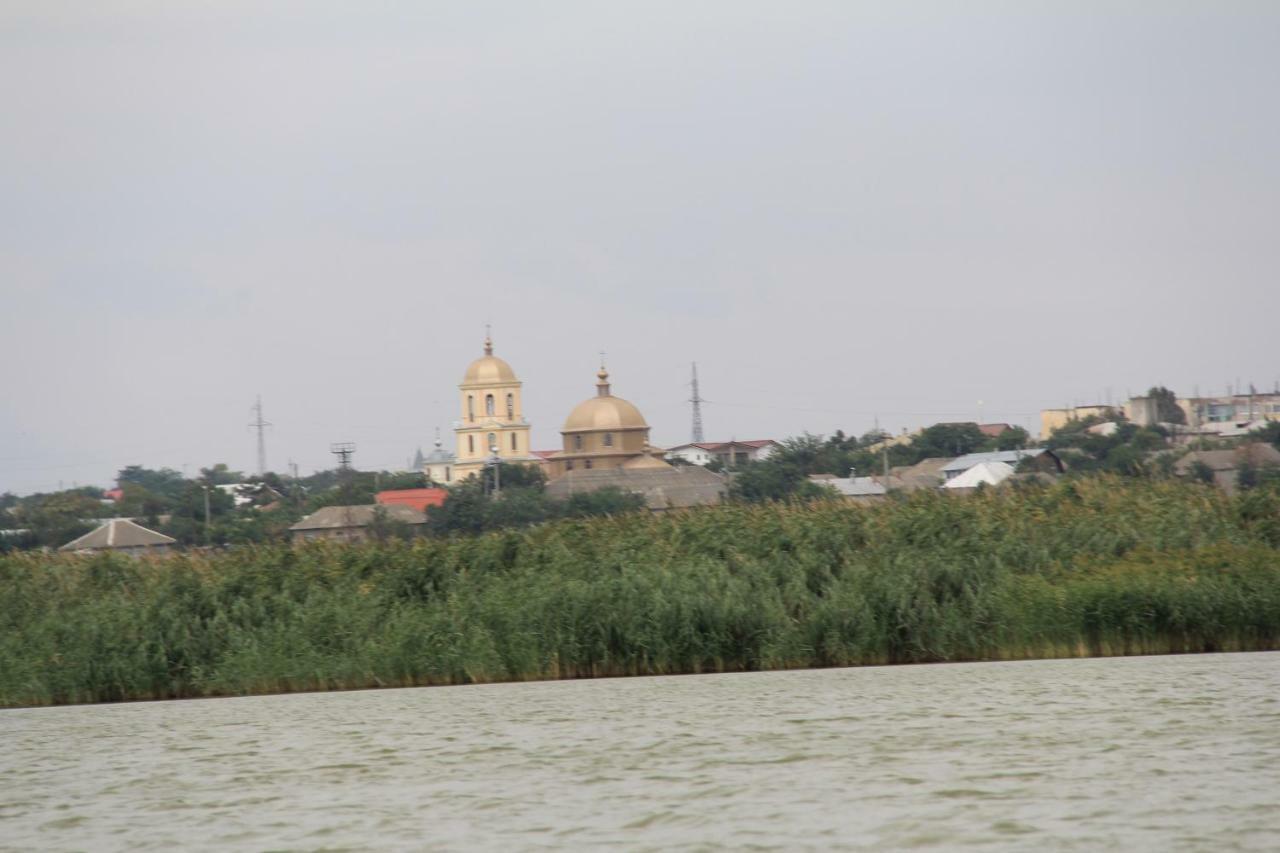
(511, 407)
(577, 442)
(514, 446)
(493, 442)
(608, 439)
(471, 408)
(471, 444)
(488, 404)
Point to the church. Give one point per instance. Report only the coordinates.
(602, 432)
(491, 423)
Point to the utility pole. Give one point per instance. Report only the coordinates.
(207, 538)
(344, 450)
(260, 425)
(696, 400)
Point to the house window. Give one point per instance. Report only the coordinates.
(514, 446)
(586, 464)
(493, 442)
(511, 407)
(568, 466)
(471, 444)
(488, 404)
(577, 442)
(448, 475)
(471, 408)
(608, 439)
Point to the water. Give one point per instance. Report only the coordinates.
(1160, 753)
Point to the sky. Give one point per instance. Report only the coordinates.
(847, 213)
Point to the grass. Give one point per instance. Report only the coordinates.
(1093, 567)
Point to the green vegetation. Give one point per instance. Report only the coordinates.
(1104, 565)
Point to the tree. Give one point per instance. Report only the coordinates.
(220, 475)
(608, 501)
(165, 483)
(1268, 432)
(1014, 438)
(1167, 409)
(948, 440)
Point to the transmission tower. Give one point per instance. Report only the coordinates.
(343, 450)
(696, 400)
(260, 425)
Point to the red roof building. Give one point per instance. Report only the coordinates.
(418, 499)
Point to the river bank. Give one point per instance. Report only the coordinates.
(1086, 568)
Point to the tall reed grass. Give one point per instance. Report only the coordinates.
(1095, 567)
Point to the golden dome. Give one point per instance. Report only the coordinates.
(604, 411)
(489, 369)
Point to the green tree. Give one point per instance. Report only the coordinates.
(1167, 409)
(1014, 438)
(608, 501)
(954, 439)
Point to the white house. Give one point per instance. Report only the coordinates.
(730, 453)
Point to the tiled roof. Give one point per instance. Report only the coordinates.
(418, 499)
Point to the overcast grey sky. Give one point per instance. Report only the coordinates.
(840, 210)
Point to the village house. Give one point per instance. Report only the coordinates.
(352, 523)
(122, 536)
(728, 453)
(1224, 465)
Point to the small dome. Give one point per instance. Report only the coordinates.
(604, 413)
(489, 369)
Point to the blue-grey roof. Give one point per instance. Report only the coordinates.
(1009, 457)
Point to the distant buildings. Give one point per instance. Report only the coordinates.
(1055, 419)
(730, 454)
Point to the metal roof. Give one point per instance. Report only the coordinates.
(118, 533)
(1008, 457)
(335, 517)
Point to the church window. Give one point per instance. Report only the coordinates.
(511, 407)
(608, 439)
(471, 444)
(514, 446)
(493, 442)
(471, 408)
(488, 404)
(577, 442)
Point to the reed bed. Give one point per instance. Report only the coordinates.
(1093, 567)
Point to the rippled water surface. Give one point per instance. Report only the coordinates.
(1137, 753)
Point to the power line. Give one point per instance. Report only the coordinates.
(260, 425)
(696, 400)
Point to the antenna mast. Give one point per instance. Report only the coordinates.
(260, 425)
(343, 450)
(696, 400)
